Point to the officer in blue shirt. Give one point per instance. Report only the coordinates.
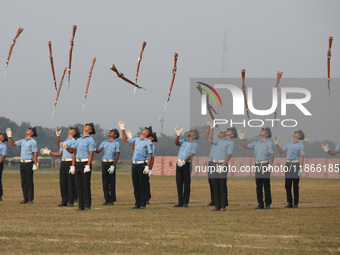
(295, 154)
(3, 153)
(28, 162)
(326, 149)
(264, 158)
(111, 149)
(153, 139)
(210, 164)
(66, 172)
(223, 152)
(188, 149)
(140, 164)
(83, 152)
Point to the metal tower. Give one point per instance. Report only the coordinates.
(224, 71)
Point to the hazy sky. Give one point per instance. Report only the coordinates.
(263, 37)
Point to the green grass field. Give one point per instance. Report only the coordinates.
(43, 227)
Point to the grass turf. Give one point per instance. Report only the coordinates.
(43, 227)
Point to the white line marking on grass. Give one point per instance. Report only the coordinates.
(51, 240)
(219, 245)
(4, 238)
(271, 248)
(269, 236)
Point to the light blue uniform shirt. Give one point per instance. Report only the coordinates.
(142, 148)
(338, 147)
(294, 150)
(28, 147)
(187, 148)
(153, 150)
(262, 149)
(70, 143)
(223, 148)
(84, 145)
(212, 152)
(110, 148)
(3, 149)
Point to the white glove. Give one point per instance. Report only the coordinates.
(150, 173)
(241, 134)
(111, 170)
(300, 172)
(178, 131)
(63, 145)
(72, 170)
(209, 123)
(9, 132)
(325, 147)
(87, 169)
(121, 125)
(180, 163)
(276, 140)
(35, 168)
(45, 151)
(57, 132)
(219, 169)
(129, 134)
(146, 170)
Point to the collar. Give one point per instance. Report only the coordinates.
(144, 138)
(28, 138)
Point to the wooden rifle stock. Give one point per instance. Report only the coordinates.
(243, 74)
(52, 65)
(20, 30)
(74, 29)
(174, 70)
(279, 75)
(60, 85)
(89, 77)
(139, 60)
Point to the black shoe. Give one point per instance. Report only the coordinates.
(70, 205)
(104, 203)
(142, 207)
(23, 202)
(223, 209)
(29, 202)
(259, 207)
(87, 208)
(289, 206)
(148, 202)
(185, 205)
(211, 203)
(178, 205)
(62, 205)
(136, 207)
(296, 206)
(80, 209)
(215, 209)
(0, 198)
(267, 207)
(109, 203)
